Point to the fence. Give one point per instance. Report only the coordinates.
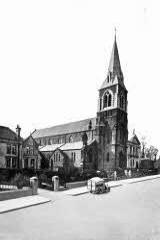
(12, 190)
(14, 185)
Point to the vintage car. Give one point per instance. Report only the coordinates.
(97, 185)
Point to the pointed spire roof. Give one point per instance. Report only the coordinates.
(114, 75)
(114, 64)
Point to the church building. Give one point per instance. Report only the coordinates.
(95, 143)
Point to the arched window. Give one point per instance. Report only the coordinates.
(56, 157)
(32, 163)
(100, 104)
(52, 164)
(107, 100)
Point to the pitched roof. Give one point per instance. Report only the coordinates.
(67, 128)
(7, 134)
(25, 141)
(134, 139)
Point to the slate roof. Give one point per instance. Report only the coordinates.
(74, 145)
(7, 134)
(67, 128)
(50, 148)
(64, 146)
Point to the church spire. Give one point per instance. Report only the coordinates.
(114, 64)
(114, 75)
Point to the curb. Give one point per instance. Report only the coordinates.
(143, 180)
(77, 194)
(22, 207)
(119, 185)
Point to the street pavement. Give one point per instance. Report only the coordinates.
(129, 212)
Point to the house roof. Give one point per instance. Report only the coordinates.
(67, 128)
(134, 139)
(7, 134)
(25, 141)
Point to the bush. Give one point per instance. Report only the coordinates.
(87, 174)
(18, 180)
(102, 174)
(42, 178)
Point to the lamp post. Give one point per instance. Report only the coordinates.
(18, 131)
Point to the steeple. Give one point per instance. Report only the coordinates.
(114, 64)
(114, 74)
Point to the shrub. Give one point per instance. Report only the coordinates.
(18, 180)
(42, 178)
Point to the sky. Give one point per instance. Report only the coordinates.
(54, 56)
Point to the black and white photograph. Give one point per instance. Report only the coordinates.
(79, 125)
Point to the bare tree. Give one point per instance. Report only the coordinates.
(151, 152)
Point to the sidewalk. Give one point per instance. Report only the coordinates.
(23, 202)
(112, 184)
(19, 203)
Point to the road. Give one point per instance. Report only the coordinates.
(130, 212)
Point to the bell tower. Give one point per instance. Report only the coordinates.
(112, 120)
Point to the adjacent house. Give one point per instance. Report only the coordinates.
(8, 148)
(133, 152)
(31, 157)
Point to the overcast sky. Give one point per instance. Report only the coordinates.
(54, 56)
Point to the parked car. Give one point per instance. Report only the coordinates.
(97, 185)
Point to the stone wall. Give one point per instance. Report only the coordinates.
(12, 194)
